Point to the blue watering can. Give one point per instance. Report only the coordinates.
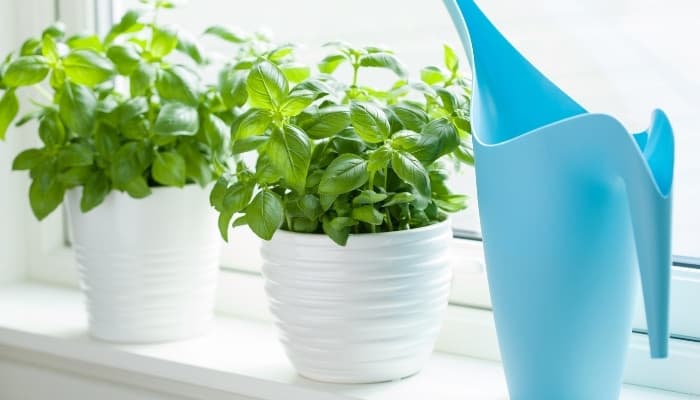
(572, 206)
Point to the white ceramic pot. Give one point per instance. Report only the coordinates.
(367, 312)
(148, 267)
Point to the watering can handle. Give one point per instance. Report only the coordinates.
(650, 211)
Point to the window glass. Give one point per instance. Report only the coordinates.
(623, 57)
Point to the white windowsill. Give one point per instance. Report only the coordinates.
(46, 325)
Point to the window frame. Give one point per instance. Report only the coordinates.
(468, 329)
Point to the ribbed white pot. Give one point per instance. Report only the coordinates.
(148, 267)
(367, 312)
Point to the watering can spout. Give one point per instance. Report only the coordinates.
(650, 210)
(504, 107)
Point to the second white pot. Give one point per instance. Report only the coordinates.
(367, 312)
(148, 266)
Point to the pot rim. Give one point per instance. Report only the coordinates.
(153, 188)
(365, 236)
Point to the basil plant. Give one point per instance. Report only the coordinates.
(339, 157)
(116, 112)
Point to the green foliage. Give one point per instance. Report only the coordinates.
(338, 157)
(168, 129)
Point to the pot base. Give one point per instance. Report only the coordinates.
(325, 378)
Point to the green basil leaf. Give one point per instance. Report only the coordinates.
(368, 197)
(57, 79)
(37, 114)
(464, 124)
(280, 53)
(197, 165)
(370, 122)
(343, 144)
(51, 130)
(133, 108)
(75, 155)
(138, 188)
(327, 201)
(25, 71)
(410, 170)
(49, 49)
(451, 60)
(45, 195)
(445, 132)
(379, 159)
(9, 107)
(265, 214)
(338, 229)
(465, 153)
(400, 198)
(107, 141)
(232, 86)
(331, 62)
(451, 100)
(142, 79)
(77, 108)
(163, 42)
(74, 176)
(267, 86)
(28, 159)
(56, 30)
(87, 67)
(237, 197)
(289, 152)
(303, 225)
(425, 148)
(30, 47)
(126, 57)
(310, 206)
(84, 41)
(253, 122)
(128, 163)
(240, 221)
(176, 119)
(295, 72)
(216, 131)
(432, 75)
(95, 189)
(216, 196)
(225, 34)
(368, 214)
(178, 84)
(315, 86)
(265, 173)
(383, 60)
(452, 203)
(410, 116)
(128, 23)
(169, 169)
(186, 44)
(346, 173)
(249, 144)
(328, 121)
(438, 137)
(224, 223)
(294, 105)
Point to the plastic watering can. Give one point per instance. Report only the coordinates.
(572, 206)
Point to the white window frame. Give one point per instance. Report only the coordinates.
(468, 328)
